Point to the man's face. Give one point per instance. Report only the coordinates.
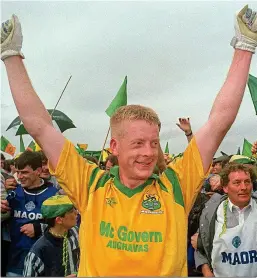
(166, 157)
(45, 174)
(108, 165)
(70, 219)
(216, 168)
(13, 169)
(239, 188)
(28, 177)
(137, 150)
(2, 163)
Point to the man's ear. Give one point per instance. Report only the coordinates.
(39, 171)
(225, 189)
(114, 146)
(58, 220)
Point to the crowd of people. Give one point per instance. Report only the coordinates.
(143, 213)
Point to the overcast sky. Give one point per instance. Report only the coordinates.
(176, 56)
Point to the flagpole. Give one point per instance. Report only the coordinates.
(61, 95)
(37, 147)
(104, 145)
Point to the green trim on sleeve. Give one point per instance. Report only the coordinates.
(92, 176)
(172, 177)
(102, 181)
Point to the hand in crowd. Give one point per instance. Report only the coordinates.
(194, 240)
(207, 271)
(10, 184)
(184, 124)
(28, 230)
(215, 182)
(5, 206)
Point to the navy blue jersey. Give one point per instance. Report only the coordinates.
(25, 208)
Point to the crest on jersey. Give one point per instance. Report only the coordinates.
(151, 202)
(111, 201)
(236, 241)
(30, 206)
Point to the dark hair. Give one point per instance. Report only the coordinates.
(43, 156)
(2, 156)
(28, 158)
(113, 159)
(7, 165)
(50, 222)
(225, 162)
(91, 158)
(195, 213)
(235, 167)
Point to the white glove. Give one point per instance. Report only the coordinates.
(246, 30)
(11, 38)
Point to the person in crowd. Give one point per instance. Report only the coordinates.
(152, 233)
(56, 253)
(193, 226)
(214, 185)
(227, 231)
(2, 160)
(110, 162)
(24, 204)
(91, 159)
(45, 174)
(5, 167)
(5, 239)
(250, 162)
(217, 165)
(185, 125)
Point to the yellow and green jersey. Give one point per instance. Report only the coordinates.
(132, 232)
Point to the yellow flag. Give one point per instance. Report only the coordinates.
(104, 155)
(37, 148)
(108, 150)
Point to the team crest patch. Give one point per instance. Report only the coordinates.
(151, 203)
(30, 206)
(236, 241)
(111, 201)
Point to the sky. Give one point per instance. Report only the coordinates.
(176, 56)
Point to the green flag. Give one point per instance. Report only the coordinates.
(31, 147)
(119, 100)
(167, 148)
(252, 85)
(247, 148)
(22, 147)
(7, 147)
(238, 151)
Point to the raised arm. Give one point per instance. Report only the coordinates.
(31, 110)
(227, 102)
